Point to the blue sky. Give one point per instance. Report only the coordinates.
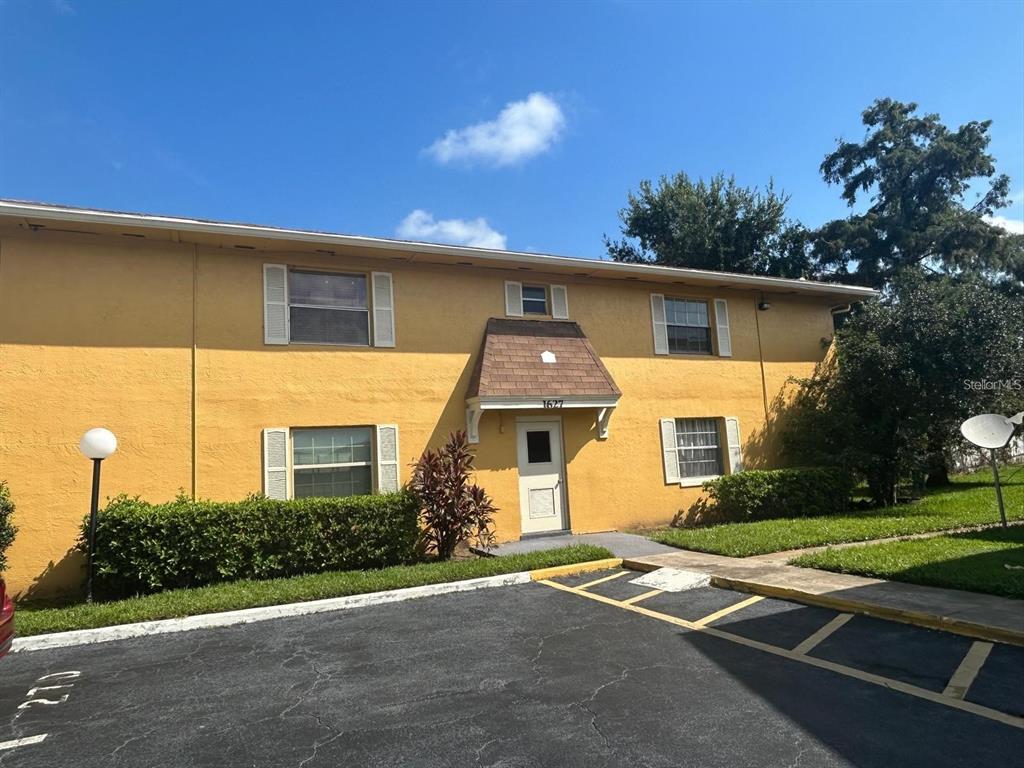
(421, 119)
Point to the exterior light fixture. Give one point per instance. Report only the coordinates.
(96, 444)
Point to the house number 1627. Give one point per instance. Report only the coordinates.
(554, 403)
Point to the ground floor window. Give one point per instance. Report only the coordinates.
(333, 461)
(699, 444)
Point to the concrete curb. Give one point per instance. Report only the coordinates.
(845, 605)
(251, 615)
(574, 568)
(265, 613)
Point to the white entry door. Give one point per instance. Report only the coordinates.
(541, 485)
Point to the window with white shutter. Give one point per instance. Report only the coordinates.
(658, 323)
(732, 435)
(388, 479)
(383, 310)
(275, 463)
(698, 449)
(559, 302)
(669, 453)
(722, 325)
(513, 299)
(275, 304)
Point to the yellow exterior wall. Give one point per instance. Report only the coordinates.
(103, 332)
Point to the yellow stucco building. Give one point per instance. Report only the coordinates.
(230, 359)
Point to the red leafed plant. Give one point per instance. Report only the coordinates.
(452, 509)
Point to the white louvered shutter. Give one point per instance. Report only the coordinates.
(732, 438)
(275, 463)
(669, 451)
(275, 304)
(722, 324)
(658, 321)
(387, 458)
(559, 302)
(513, 299)
(383, 310)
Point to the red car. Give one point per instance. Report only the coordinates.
(6, 620)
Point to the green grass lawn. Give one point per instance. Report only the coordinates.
(34, 618)
(974, 561)
(969, 501)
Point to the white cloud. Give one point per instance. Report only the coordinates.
(523, 129)
(421, 225)
(1016, 226)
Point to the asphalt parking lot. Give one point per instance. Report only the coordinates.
(567, 672)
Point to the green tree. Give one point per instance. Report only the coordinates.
(916, 175)
(715, 225)
(889, 401)
(7, 529)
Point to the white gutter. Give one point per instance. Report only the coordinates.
(46, 212)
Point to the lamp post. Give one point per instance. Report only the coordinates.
(96, 444)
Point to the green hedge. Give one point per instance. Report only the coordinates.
(143, 548)
(7, 529)
(771, 493)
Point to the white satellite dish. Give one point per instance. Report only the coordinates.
(992, 431)
(988, 430)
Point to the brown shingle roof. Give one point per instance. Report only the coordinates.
(510, 363)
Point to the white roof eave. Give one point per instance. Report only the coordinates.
(596, 268)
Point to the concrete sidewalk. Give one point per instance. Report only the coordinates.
(982, 616)
(620, 544)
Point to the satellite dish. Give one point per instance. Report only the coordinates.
(988, 430)
(992, 430)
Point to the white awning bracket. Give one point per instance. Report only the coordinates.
(473, 414)
(603, 416)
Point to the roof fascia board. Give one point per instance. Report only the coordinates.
(512, 258)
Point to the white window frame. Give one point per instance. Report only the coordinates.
(709, 327)
(368, 309)
(688, 481)
(372, 463)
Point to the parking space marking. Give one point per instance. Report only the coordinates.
(727, 610)
(811, 642)
(644, 596)
(969, 668)
(22, 742)
(857, 674)
(603, 579)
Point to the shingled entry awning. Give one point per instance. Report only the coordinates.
(546, 364)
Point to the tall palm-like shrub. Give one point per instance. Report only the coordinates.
(452, 508)
(7, 529)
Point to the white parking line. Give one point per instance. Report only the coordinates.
(22, 742)
(969, 668)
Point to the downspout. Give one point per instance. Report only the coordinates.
(760, 359)
(195, 292)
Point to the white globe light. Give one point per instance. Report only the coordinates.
(98, 443)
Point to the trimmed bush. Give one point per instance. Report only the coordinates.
(7, 529)
(143, 548)
(770, 493)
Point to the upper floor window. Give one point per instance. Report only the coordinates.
(328, 308)
(689, 330)
(538, 300)
(535, 300)
(307, 306)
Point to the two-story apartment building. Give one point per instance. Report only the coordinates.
(230, 359)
